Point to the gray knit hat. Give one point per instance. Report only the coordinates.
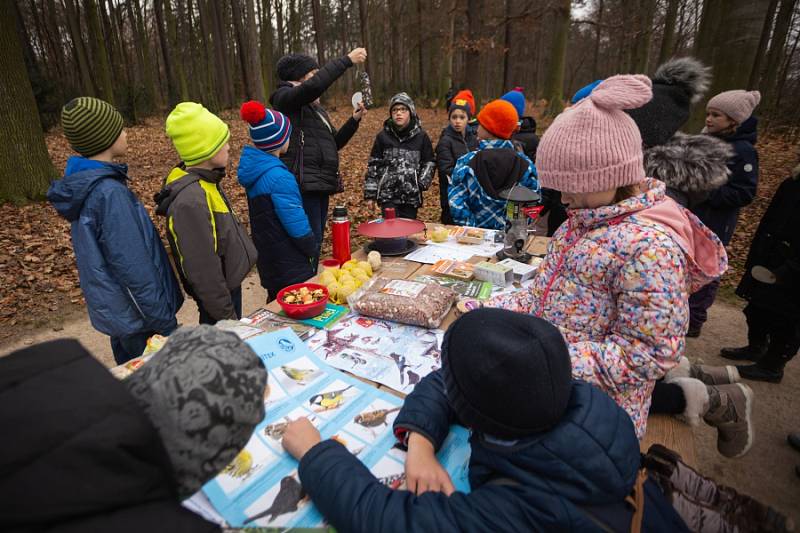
(90, 125)
(204, 393)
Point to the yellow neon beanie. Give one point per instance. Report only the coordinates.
(197, 133)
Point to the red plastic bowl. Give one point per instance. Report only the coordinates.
(300, 311)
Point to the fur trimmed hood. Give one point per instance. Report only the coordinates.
(689, 163)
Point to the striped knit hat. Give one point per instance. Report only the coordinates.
(269, 129)
(197, 133)
(90, 125)
(594, 145)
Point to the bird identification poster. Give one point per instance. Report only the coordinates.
(261, 488)
(392, 354)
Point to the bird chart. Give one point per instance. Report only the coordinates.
(392, 354)
(261, 487)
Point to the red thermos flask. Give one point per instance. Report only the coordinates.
(340, 230)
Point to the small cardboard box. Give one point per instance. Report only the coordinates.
(471, 236)
(494, 273)
(522, 272)
(454, 269)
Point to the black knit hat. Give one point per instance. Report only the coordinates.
(507, 374)
(677, 84)
(292, 67)
(90, 125)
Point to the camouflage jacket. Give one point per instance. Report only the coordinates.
(400, 167)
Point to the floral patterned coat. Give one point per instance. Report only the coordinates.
(617, 284)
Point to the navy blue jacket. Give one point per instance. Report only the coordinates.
(279, 225)
(721, 211)
(125, 273)
(590, 458)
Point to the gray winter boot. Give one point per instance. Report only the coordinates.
(730, 411)
(710, 375)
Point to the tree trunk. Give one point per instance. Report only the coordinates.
(101, 67)
(450, 46)
(212, 96)
(267, 46)
(423, 85)
(776, 52)
(598, 35)
(761, 51)
(25, 166)
(707, 31)
(281, 28)
(73, 22)
(668, 37)
(473, 56)
(316, 15)
(554, 81)
(640, 53)
(343, 26)
(166, 54)
(244, 49)
(220, 59)
(364, 25)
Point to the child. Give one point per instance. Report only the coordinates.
(728, 117)
(496, 166)
(526, 135)
(547, 453)
(114, 455)
(211, 249)
(691, 166)
(771, 286)
(617, 275)
(401, 163)
(131, 292)
(456, 140)
(281, 232)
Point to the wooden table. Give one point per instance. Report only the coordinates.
(661, 429)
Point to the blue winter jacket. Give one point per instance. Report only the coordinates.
(589, 460)
(125, 273)
(279, 225)
(721, 211)
(477, 178)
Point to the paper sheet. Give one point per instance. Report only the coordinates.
(262, 480)
(389, 353)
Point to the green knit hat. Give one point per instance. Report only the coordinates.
(197, 133)
(90, 125)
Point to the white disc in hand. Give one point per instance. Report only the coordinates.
(764, 275)
(357, 99)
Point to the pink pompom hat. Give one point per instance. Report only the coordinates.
(594, 145)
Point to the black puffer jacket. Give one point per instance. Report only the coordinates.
(79, 454)
(527, 137)
(451, 146)
(313, 132)
(776, 246)
(400, 165)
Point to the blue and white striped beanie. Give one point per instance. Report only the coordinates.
(269, 129)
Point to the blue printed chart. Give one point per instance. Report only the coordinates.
(261, 487)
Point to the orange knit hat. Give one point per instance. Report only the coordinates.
(463, 99)
(499, 118)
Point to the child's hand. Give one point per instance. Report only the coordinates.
(359, 113)
(299, 437)
(423, 471)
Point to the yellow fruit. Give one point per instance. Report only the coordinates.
(333, 292)
(350, 264)
(346, 290)
(346, 277)
(327, 277)
(366, 267)
(360, 275)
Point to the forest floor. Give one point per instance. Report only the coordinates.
(41, 297)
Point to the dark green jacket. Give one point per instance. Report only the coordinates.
(212, 250)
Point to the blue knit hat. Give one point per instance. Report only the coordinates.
(517, 99)
(269, 129)
(583, 92)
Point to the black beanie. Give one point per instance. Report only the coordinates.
(677, 84)
(292, 67)
(507, 374)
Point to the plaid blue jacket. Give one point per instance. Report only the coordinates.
(470, 205)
